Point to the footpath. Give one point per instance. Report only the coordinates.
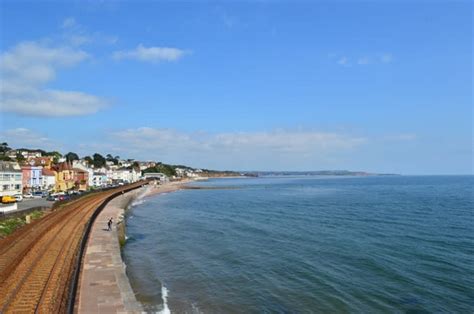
(104, 286)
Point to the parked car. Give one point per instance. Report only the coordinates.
(52, 197)
(18, 197)
(38, 194)
(63, 197)
(7, 199)
(27, 195)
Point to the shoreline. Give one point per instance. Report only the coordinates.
(104, 285)
(165, 188)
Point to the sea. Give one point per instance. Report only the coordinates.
(306, 244)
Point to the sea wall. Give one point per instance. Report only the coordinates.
(104, 285)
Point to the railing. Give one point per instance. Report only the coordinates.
(82, 247)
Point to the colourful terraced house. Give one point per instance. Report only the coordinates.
(81, 179)
(64, 177)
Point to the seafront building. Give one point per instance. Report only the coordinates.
(64, 177)
(83, 165)
(10, 178)
(99, 179)
(48, 179)
(81, 179)
(31, 178)
(156, 176)
(124, 175)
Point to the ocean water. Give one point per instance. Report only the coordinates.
(394, 244)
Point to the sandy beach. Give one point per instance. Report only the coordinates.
(165, 188)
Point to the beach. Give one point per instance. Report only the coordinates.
(153, 189)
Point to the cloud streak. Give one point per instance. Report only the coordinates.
(150, 54)
(237, 150)
(26, 138)
(347, 61)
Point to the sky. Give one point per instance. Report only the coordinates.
(379, 86)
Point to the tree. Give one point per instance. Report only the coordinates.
(71, 156)
(89, 160)
(113, 159)
(20, 158)
(163, 168)
(4, 148)
(99, 160)
(55, 154)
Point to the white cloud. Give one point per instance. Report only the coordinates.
(237, 150)
(53, 103)
(386, 58)
(28, 67)
(363, 61)
(151, 54)
(26, 138)
(76, 34)
(69, 23)
(343, 61)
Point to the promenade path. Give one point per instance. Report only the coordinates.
(104, 286)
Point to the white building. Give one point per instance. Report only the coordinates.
(99, 179)
(48, 179)
(10, 178)
(146, 164)
(125, 163)
(180, 172)
(157, 176)
(190, 173)
(124, 175)
(26, 153)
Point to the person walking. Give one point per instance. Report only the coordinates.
(109, 224)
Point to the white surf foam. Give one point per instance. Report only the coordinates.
(164, 296)
(140, 199)
(137, 202)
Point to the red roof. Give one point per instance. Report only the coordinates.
(63, 166)
(48, 172)
(79, 170)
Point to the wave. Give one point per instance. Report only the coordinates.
(140, 199)
(137, 202)
(164, 296)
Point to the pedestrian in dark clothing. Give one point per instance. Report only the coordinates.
(109, 224)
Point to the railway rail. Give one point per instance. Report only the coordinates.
(38, 262)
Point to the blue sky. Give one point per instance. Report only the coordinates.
(270, 85)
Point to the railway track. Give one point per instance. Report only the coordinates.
(37, 261)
